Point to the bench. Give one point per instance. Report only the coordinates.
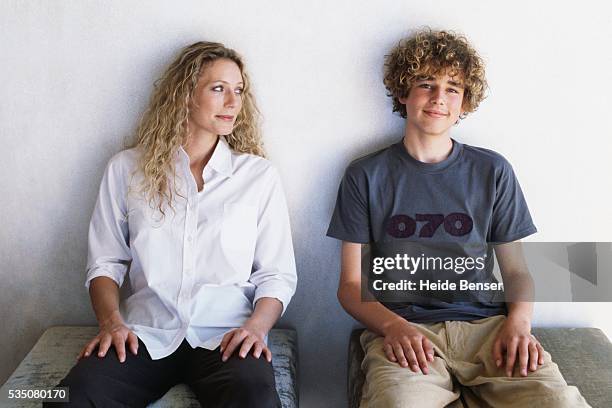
(584, 356)
(55, 353)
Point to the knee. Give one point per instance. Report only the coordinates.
(243, 383)
(253, 378)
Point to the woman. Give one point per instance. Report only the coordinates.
(202, 221)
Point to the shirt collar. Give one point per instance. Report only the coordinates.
(220, 161)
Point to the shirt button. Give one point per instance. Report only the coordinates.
(189, 238)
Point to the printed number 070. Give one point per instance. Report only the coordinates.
(404, 226)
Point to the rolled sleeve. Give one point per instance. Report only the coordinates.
(274, 272)
(108, 241)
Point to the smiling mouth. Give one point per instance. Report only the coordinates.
(226, 118)
(435, 114)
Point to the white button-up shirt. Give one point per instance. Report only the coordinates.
(197, 272)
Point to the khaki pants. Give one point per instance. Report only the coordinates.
(463, 373)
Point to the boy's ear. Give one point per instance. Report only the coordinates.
(463, 113)
(402, 99)
(464, 109)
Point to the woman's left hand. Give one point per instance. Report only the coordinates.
(245, 339)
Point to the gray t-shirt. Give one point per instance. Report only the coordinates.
(471, 197)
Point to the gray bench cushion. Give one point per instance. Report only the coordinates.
(584, 356)
(55, 353)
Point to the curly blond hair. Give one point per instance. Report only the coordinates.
(164, 125)
(428, 53)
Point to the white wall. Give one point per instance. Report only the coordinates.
(77, 75)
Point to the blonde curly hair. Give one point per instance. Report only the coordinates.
(428, 53)
(164, 125)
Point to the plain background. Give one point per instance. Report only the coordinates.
(76, 76)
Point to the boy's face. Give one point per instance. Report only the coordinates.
(434, 104)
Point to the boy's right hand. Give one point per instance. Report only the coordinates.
(113, 331)
(404, 344)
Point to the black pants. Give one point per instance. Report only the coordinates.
(105, 382)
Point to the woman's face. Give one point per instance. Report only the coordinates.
(216, 100)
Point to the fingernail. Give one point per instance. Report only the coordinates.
(498, 362)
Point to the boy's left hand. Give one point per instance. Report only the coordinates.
(520, 346)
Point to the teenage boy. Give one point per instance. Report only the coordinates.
(435, 353)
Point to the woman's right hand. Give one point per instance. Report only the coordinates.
(112, 331)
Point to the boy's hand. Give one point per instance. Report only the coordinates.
(519, 345)
(405, 345)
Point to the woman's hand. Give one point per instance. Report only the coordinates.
(251, 335)
(516, 344)
(113, 331)
(404, 344)
(247, 338)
